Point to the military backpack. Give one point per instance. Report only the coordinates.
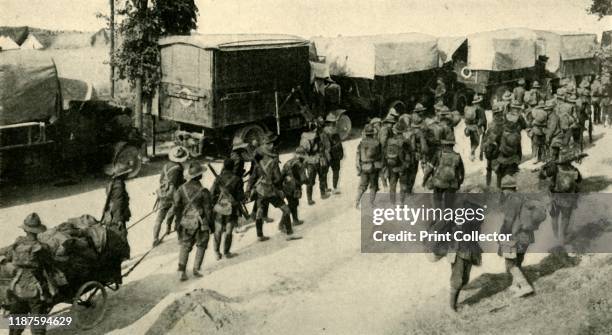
(444, 175)
(566, 181)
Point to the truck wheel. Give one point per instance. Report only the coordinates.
(344, 126)
(249, 133)
(460, 101)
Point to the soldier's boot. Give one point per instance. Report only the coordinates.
(473, 153)
(520, 286)
(265, 214)
(454, 298)
(294, 215)
(197, 262)
(218, 235)
(392, 197)
(183, 258)
(372, 197)
(309, 195)
(555, 225)
(488, 178)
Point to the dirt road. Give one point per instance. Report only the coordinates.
(319, 284)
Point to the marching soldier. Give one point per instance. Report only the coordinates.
(584, 115)
(417, 143)
(522, 235)
(448, 171)
(193, 212)
(506, 100)
(376, 124)
(491, 138)
(605, 106)
(252, 154)
(509, 148)
(170, 180)
(396, 160)
(565, 181)
(533, 96)
(440, 90)
(227, 195)
(519, 92)
(266, 182)
(465, 254)
(538, 119)
(316, 144)
(596, 93)
(31, 289)
(569, 120)
(475, 124)
(336, 151)
(117, 208)
(369, 163)
(554, 132)
(384, 134)
(294, 176)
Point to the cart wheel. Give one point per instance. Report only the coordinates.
(130, 156)
(89, 305)
(399, 106)
(344, 126)
(250, 133)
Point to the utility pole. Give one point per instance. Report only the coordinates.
(112, 48)
(142, 7)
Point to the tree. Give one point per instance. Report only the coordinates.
(138, 58)
(600, 8)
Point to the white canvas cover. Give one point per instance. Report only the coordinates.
(31, 42)
(6, 43)
(565, 46)
(502, 50)
(447, 46)
(378, 55)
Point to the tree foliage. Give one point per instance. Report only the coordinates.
(601, 8)
(140, 29)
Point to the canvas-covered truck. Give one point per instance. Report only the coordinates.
(380, 72)
(218, 88)
(39, 138)
(489, 63)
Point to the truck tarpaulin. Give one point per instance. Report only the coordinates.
(502, 50)
(378, 55)
(29, 87)
(564, 49)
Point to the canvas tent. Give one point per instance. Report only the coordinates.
(378, 55)
(569, 53)
(6, 43)
(502, 50)
(31, 43)
(29, 87)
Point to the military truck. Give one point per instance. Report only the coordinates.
(40, 139)
(378, 73)
(489, 63)
(223, 88)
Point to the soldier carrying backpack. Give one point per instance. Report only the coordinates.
(564, 186)
(475, 124)
(368, 163)
(538, 119)
(227, 195)
(170, 180)
(397, 158)
(317, 145)
(448, 173)
(417, 142)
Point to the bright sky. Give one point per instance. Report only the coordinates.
(331, 17)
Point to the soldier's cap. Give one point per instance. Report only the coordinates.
(399, 128)
(331, 118)
(439, 105)
(32, 224)
(571, 98)
(477, 98)
(270, 137)
(393, 112)
(375, 120)
(419, 108)
(516, 104)
(194, 170)
(508, 182)
(238, 144)
(507, 96)
(390, 119)
(368, 130)
(521, 81)
(541, 103)
(535, 84)
(585, 92)
(497, 108)
(178, 154)
(512, 116)
(550, 104)
(561, 92)
(118, 169)
(300, 151)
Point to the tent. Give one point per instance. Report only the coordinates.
(29, 87)
(6, 43)
(31, 42)
(378, 55)
(502, 50)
